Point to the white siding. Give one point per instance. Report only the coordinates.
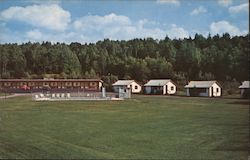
(164, 89)
(134, 85)
(210, 91)
(171, 88)
(216, 93)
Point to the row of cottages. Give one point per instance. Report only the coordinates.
(163, 86)
(168, 87)
(38, 84)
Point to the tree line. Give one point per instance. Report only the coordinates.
(223, 58)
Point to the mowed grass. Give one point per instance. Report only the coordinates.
(144, 127)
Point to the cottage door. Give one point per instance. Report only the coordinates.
(212, 90)
(166, 89)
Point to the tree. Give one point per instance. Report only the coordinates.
(3, 62)
(70, 62)
(16, 61)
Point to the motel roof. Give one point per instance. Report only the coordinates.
(50, 80)
(122, 82)
(200, 84)
(157, 82)
(245, 84)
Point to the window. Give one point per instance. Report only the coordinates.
(30, 83)
(172, 88)
(68, 83)
(92, 84)
(136, 87)
(53, 83)
(7, 84)
(76, 84)
(217, 89)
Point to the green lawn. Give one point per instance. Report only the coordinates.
(145, 127)
(4, 94)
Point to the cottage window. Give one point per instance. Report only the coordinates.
(172, 88)
(136, 87)
(217, 89)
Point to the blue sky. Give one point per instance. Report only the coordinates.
(87, 21)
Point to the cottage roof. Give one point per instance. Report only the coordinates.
(157, 82)
(245, 84)
(200, 84)
(122, 82)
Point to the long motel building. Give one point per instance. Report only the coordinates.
(38, 84)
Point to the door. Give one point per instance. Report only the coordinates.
(212, 90)
(166, 89)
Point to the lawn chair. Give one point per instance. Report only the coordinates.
(42, 95)
(36, 97)
(53, 95)
(68, 95)
(62, 95)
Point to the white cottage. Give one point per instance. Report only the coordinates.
(203, 89)
(245, 89)
(160, 86)
(126, 84)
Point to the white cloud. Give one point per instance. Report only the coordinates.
(240, 8)
(48, 16)
(174, 2)
(118, 27)
(225, 27)
(92, 28)
(198, 10)
(34, 34)
(37, 35)
(225, 2)
(177, 32)
(98, 22)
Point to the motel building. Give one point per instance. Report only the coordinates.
(245, 89)
(126, 85)
(160, 86)
(203, 89)
(15, 85)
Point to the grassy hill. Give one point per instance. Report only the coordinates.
(157, 127)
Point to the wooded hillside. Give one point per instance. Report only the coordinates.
(223, 58)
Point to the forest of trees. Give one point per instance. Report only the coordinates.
(223, 58)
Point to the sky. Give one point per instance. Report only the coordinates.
(88, 21)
